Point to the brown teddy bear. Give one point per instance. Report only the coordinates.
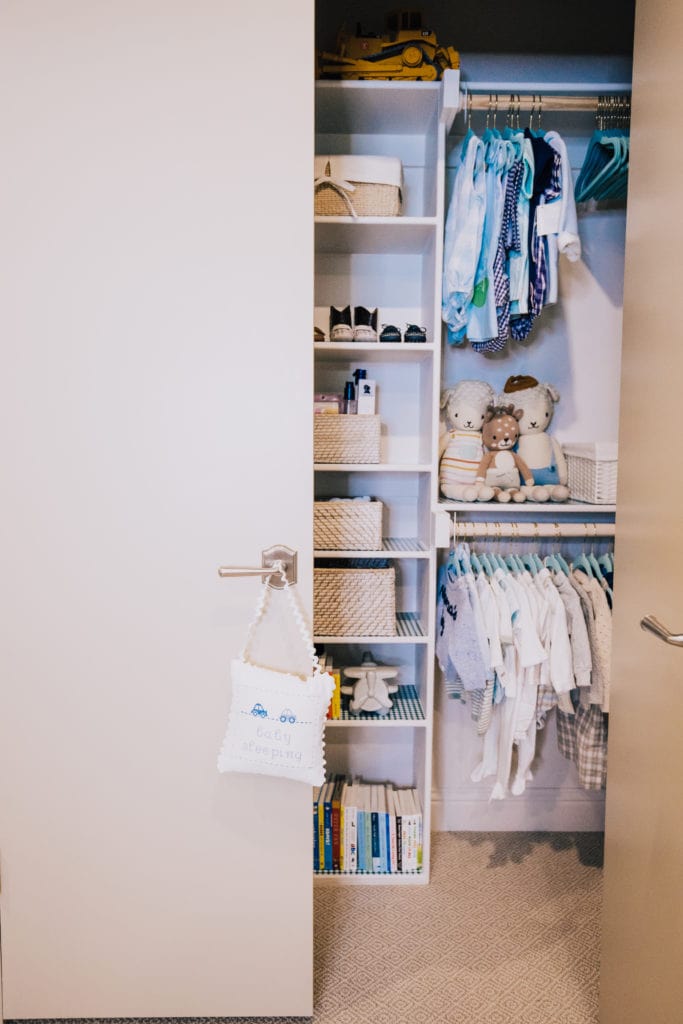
(501, 467)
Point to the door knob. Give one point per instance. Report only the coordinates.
(653, 625)
(273, 560)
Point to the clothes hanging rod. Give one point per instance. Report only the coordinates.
(485, 96)
(572, 89)
(461, 530)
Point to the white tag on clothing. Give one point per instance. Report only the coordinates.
(548, 218)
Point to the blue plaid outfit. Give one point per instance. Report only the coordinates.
(508, 239)
(547, 185)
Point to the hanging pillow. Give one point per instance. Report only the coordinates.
(276, 722)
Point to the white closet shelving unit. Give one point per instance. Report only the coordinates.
(556, 99)
(394, 264)
(575, 346)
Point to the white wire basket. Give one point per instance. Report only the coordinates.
(592, 472)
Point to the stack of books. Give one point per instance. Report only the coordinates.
(366, 828)
(326, 665)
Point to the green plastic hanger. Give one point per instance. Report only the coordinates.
(607, 562)
(564, 565)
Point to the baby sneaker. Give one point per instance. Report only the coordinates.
(390, 334)
(318, 335)
(340, 324)
(364, 324)
(415, 335)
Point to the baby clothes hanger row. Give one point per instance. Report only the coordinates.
(533, 558)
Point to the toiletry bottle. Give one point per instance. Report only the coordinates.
(366, 397)
(349, 401)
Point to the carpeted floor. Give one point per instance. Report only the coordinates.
(508, 932)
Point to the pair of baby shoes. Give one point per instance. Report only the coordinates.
(413, 334)
(363, 327)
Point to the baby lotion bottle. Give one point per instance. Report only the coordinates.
(349, 404)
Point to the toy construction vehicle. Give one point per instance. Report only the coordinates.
(406, 51)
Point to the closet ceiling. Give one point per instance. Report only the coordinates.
(533, 26)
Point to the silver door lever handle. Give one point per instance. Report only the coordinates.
(653, 625)
(273, 561)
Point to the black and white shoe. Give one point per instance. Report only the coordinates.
(364, 324)
(340, 324)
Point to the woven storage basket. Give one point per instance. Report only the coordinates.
(347, 525)
(354, 439)
(358, 186)
(592, 472)
(356, 598)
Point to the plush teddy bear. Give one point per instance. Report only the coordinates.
(501, 467)
(540, 451)
(460, 448)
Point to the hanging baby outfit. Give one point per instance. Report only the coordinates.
(513, 646)
(511, 214)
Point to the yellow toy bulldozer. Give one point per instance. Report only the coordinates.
(406, 51)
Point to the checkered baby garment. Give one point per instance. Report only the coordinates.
(277, 719)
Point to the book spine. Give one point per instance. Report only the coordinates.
(368, 841)
(399, 842)
(418, 826)
(336, 695)
(342, 837)
(351, 822)
(316, 841)
(383, 852)
(376, 849)
(393, 866)
(336, 834)
(321, 833)
(407, 865)
(328, 835)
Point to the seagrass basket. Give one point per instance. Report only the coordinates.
(352, 439)
(356, 598)
(347, 525)
(358, 186)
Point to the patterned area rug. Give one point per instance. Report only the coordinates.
(507, 931)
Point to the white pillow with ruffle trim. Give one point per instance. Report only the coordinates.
(276, 724)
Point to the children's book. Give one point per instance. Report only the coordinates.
(349, 832)
(337, 786)
(316, 829)
(407, 830)
(367, 806)
(342, 826)
(374, 818)
(418, 824)
(383, 828)
(358, 789)
(321, 827)
(399, 826)
(327, 833)
(335, 703)
(391, 807)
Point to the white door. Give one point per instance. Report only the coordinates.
(155, 316)
(643, 912)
